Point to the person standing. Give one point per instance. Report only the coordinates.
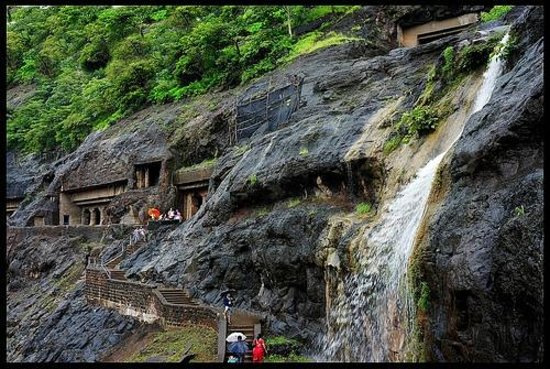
(227, 305)
(259, 349)
(177, 215)
(142, 234)
(239, 348)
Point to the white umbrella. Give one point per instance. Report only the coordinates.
(233, 337)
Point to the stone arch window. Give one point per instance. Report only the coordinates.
(86, 216)
(95, 217)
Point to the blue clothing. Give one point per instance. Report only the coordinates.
(239, 349)
(227, 301)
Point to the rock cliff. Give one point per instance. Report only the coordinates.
(281, 204)
(483, 247)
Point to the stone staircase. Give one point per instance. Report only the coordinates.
(244, 322)
(175, 296)
(129, 250)
(248, 331)
(117, 274)
(132, 247)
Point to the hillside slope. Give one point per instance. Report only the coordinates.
(280, 222)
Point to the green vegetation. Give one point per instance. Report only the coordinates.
(392, 143)
(93, 65)
(417, 339)
(495, 13)
(291, 358)
(68, 279)
(263, 211)
(420, 120)
(508, 49)
(475, 56)
(304, 152)
(434, 103)
(292, 203)
(519, 211)
(203, 164)
(241, 149)
(172, 343)
(315, 41)
(282, 349)
(423, 302)
(253, 180)
(363, 208)
(448, 57)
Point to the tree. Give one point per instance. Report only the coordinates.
(288, 19)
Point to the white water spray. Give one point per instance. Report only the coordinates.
(371, 304)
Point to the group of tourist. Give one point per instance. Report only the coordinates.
(239, 348)
(139, 234)
(172, 214)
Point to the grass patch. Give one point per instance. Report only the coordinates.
(519, 211)
(363, 208)
(171, 344)
(292, 358)
(323, 10)
(423, 302)
(203, 164)
(293, 202)
(304, 152)
(284, 350)
(241, 149)
(70, 277)
(263, 211)
(315, 41)
(252, 180)
(64, 284)
(392, 144)
(495, 13)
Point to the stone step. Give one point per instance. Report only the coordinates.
(248, 332)
(118, 274)
(179, 297)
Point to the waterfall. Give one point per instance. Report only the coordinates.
(370, 307)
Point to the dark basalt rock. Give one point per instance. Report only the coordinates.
(484, 262)
(484, 254)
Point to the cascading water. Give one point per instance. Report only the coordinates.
(371, 305)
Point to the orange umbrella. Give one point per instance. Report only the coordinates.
(154, 213)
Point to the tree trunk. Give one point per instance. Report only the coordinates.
(289, 20)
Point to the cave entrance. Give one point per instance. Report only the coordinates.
(192, 184)
(190, 200)
(86, 217)
(433, 30)
(95, 217)
(147, 174)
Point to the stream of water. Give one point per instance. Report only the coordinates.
(371, 307)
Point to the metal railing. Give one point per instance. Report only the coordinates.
(92, 262)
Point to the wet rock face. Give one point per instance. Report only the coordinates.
(484, 256)
(75, 332)
(485, 248)
(270, 259)
(48, 319)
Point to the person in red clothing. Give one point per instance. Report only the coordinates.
(259, 350)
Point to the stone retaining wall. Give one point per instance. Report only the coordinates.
(143, 301)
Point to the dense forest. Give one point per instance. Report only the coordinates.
(89, 66)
